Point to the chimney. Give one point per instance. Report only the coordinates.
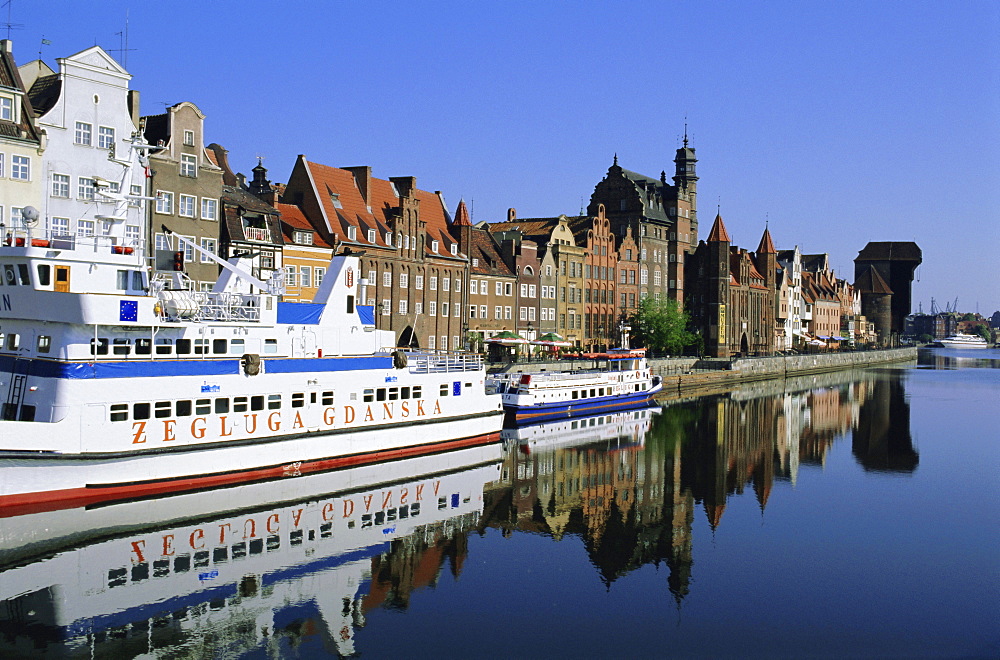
(405, 185)
(363, 180)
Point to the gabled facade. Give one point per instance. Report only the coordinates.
(791, 307)
(187, 185)
(600, 291)
(521, 256)
(412, 268)
(20, 144)
(306, 255)
(663, 219)
(86, 111)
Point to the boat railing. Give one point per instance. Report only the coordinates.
(62, 240)
(442, 362)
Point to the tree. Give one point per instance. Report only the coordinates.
(984, 332)
(661, 325)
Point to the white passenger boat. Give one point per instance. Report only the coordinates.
(196, 574)
(962, 341)
(621, 379)
(115, 384)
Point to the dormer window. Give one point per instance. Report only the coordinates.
(475, 262)
(189, 138)
(371, 235)
(304, 237)
(6, 108)
(335, 198)
(454, 248)
(352, 233)
(434, 246)
(388, 238)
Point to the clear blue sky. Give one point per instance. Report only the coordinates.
(837, 122)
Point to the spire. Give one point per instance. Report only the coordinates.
(616, 159)
(462, 215)
(766, 244)
(718, 232)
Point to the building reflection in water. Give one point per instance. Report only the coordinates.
(259, 569)
(298, 565)
(628, 484)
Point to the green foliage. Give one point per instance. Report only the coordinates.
(985, 333)
(925, 338)
(661, 326)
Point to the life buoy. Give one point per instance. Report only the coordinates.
(638, 374)
(399, 359)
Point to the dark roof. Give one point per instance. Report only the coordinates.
(44, 93)
(890, 251)
(157, 128)
(871, 282)
(484, 248)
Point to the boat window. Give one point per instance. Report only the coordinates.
(9, 275)
(44, 344)
(183, 346)
(143, 346)
(200, 346)
(140, 411)
(257, 402)
(237, 346)
(404, 393)
(201, 559)
(122, 345)
(416, 391)
(219, 346)
(576, 394)
(99, 346)
(444, 389)
(380, 394)
(121, 281)
(138, 280)
(119, 412)
(164, 346)
(298, 400)
(368, 396)
(600, 392)
(270, 345)
(202, 406)
(221, 405)
(24, 274)
(44, 275)
(184, 408)
(162, 409)
(593, 393)
(240, 404)
(273, 401)
(393, 393)
(327, 399)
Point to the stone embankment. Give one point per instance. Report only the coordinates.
(687, 376)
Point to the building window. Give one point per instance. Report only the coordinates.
(434, 246)
(507, 313)
(304, 237)
(371, 235)
(432, 308)
(474, 287)
(6, 108)
(445, 284)
(352, 233)
(434, 283)
(290, 277)
(164, 201)
(189, 165)
(207, 244)
(497, 312)
(82, 135)
(305, 276)
(386, 307)
(444, 342)
(444, 309)
(402, 307)
(105, 137)
(388, 238)
(418, 308)
(85, 228)
(404, 280)
(419, 282)
(387, 278)
(189, 138)
(319, 273)
(209, 209)
(20, 168)
(185, 207)
(60, 185)
(85, 188)
(430, 342)
(60, 226)
(508, 289)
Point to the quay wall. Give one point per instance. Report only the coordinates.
(684, 375)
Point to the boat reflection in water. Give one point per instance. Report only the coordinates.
(247, 569)
(616, 430)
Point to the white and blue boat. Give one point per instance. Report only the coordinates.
(621, 379)
(118, 380)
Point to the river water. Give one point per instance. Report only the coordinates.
(853, 514)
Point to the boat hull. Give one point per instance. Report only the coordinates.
(580, 407)
(41, 482)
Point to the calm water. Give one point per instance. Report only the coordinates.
(847, 514)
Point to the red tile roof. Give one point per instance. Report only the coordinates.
(292, 218)
(718, 232)
(766, 244)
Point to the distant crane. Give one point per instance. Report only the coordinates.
(934, 308)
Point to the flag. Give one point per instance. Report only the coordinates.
(46, 42)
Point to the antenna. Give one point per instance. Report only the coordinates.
(123, 48)
(10, 26)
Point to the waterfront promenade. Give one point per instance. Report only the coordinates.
(684, 376)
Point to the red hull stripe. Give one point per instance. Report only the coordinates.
(52, 500)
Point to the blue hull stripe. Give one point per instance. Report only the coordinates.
(191, 367)
(580, 407)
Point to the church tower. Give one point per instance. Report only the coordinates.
(717, 299)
